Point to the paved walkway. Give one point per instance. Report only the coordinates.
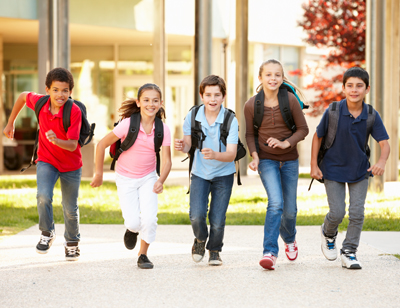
(107, 276)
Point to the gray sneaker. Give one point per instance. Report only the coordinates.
(46, 240)
(215, 259)
(349, 259)
(328, 245)
(198, 250)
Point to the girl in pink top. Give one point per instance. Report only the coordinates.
(136, 178)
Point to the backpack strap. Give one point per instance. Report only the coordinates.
(130, 139)
(258, 116)
(283, 99)
(327, 141)
(38, 106)
(370, 124)
(333, 121)
(197, 137)
(226, 126)
(224, 132)
(67, 114)
(158, 140)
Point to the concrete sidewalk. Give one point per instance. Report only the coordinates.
(107, 276)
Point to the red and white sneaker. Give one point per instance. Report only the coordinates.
(268, 261)
(291, 251)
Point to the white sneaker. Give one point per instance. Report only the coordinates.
(349, 260)
(328, 246)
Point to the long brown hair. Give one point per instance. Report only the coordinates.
(260, 87)
(130, 106)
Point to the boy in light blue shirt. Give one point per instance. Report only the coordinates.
(213, 170)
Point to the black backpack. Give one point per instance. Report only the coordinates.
(87, 130)
(283, 99)
(198, 137)
(329, 138)
(117, 148)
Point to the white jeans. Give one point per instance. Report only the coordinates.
(139, 204)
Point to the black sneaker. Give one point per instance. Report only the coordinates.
(46, 239)
(72, 252)
(144, 262)
(198, 250)
(215, 259)
(130, 239)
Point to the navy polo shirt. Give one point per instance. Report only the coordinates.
(346, 161)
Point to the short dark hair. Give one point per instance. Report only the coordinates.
(358, 72)
(60, 74)
(213, 80)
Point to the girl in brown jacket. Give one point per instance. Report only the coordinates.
(276, 162)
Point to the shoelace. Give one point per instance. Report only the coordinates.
(44, 240)
(351, 256)
(291, 247)
(71, 249)
(330, 244)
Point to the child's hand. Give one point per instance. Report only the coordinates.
(97, 180)
(51, 136)
(254, 164)
(9, 131)
(179, 145)
(208, 153)
(378, 168)
(275, 143)
(316, 173)
(158, 187)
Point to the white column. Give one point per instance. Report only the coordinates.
(241, 57)
(202, 44)
(159, 45)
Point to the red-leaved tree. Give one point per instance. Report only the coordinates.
(338, 25)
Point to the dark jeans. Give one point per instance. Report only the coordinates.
(220, 189)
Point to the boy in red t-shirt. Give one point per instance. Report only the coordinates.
(59, 156)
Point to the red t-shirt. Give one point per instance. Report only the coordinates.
(62, 160)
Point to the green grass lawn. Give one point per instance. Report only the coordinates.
(247, 207)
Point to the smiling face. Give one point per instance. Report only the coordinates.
(271, 76)
(212, 98)
(355, 90)
(59, 92)
(149, 103)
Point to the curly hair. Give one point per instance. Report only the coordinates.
(59, 74)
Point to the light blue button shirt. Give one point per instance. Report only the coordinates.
(209, 169)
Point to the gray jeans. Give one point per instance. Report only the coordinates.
(336, 193)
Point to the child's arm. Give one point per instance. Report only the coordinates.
(316, 145)
(379, 167)
(226, 157)
(99, 161)
(166, 165)
(19, 104)
(69, 145)
(183, 145)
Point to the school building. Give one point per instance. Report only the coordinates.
(113, 47)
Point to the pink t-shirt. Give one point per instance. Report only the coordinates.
(140, 159)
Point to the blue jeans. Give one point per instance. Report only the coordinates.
(220, 189)
(46, 177)
(280, 182)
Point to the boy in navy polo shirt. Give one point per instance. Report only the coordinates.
(59, 156)
(213, 170)
(346, 162)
